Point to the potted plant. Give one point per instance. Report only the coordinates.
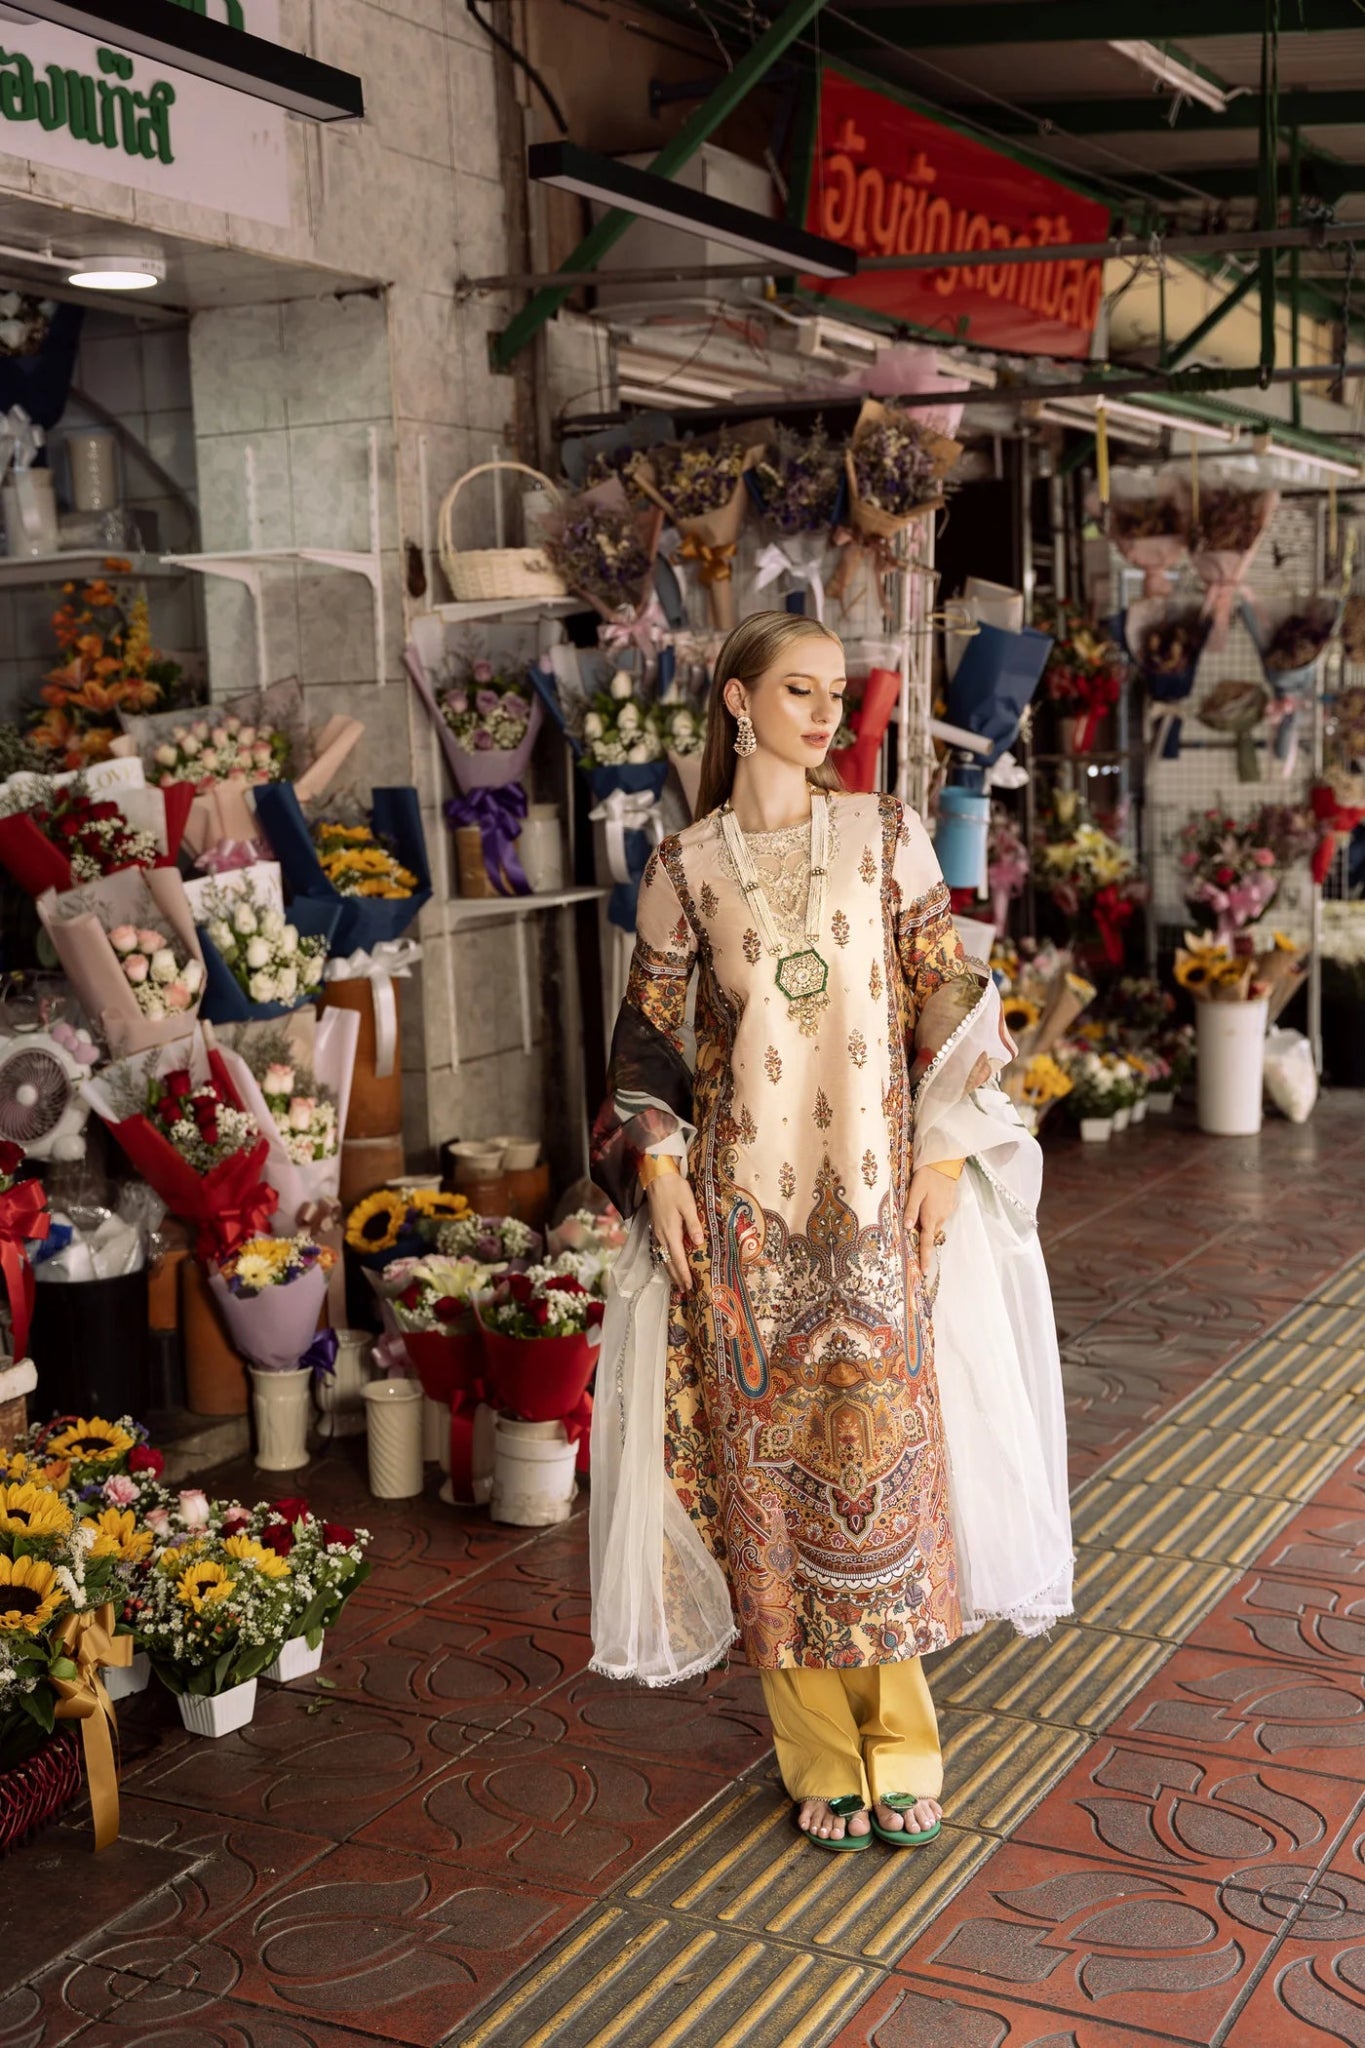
(1096, 1094)
(328, 1563)
(214, 1611)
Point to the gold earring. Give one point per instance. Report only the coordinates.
(746, 739)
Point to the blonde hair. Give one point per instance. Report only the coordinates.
(748, 654)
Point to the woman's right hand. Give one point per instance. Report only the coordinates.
(675, 1224)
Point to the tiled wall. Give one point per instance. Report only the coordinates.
(143, 376)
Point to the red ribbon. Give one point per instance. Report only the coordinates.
(465, 1400)
(23, 1214)
(1112, 912)
(248, 1216)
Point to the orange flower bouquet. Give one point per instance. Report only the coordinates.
(109, 666)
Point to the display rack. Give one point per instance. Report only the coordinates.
(20, 572)
(246, 566)
(467, 910)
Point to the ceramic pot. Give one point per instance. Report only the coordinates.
(393, 1425)
(1095, 1129)
(121, 1681)
(281, 1407)
(1231, 1043)
(1123, 1117)
(295, 1660)
(219, 1713)
(1160, 1101)
(533, 1473)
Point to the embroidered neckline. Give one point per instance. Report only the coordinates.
(782, 838)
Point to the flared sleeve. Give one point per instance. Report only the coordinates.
(648, 1105)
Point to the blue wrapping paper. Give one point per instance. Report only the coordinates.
(363, 922)
(632, 777)
(995, 682)
(225, 1001)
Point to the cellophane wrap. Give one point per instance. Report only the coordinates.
(660, 1603)
(995, 1344)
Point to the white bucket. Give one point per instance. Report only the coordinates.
(280, 1403)
(295, 1660)
(1123, 1117)
(1231, 1044)
(533, 1473)
(393, 1417)
(219, 1713)
(121, 1681)
(1096, 1129)
(341, 1394)
(483, 1452)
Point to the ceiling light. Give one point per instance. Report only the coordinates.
(571, 169)
(1178, 423)
(1173, 71)
(122, 272)
(1079, 420)
(171, 32)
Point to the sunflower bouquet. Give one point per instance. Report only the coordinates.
(395, 1223)
(214, 1610)
(270, 1292)
(372, 867)
(91, 1461)
(52, 1572)
(1035, 1085)
(1041, 996)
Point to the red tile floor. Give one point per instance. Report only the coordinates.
(456, 1833)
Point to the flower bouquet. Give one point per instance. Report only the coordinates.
(327, 1564)
(799, 486)
(1237, 708)
(1338, 803)
(1035, 1086)
(258, 962)
(59, 831)
(128, 945)
(487, 721)
(700, 485)
(428, 1303)
(400, 1223)
(270, 1293)
(1148, 522)
(375, 869)
(1165, 639)
(896, 464)
(1102, 1086)
(1231, 867)
(500, 1241)
(604, 546)
(234, 750)
(178, 1117)
(56, 1628)
(1007, 863)
(541, 1330)
(111, 668)
(1236, 505)
(213, 1613)
(1083, 676)
(1091, 878)
(1291, 636)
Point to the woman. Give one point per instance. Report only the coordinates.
(769, 1435)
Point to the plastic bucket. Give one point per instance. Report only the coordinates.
(1231, 1045)
(533, 1473)
(960, 842)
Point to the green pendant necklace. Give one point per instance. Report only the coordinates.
(803, 975)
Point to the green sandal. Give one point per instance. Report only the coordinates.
(902, 1838)
(845, 1808)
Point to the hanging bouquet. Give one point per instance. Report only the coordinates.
(374, 868)
(1148, 523)
(1236, 505)
(1084, 673)
(270, 1293)
(604, 547)
(128, 945)
(1090, 877)
(699, 484)
(259, 962)
(1291, 636)
(1165, 639)
(178, 1117)
(1231, 867)
(896, 464)
(1237, 707)
(797, 482)
(110, 666)
(214, 1611)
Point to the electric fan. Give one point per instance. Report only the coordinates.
(41, 1107)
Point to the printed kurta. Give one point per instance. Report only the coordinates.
(803, 1431)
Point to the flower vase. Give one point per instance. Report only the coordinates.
(295, 1660)
(279, 1402)
(436, 1432)
(219, 1713)
(1231, 1042)
(1161, 1101)
(1123, 1117)
(1095, 1130)
(121, 1681)
(393, 1422)
(341, 1392)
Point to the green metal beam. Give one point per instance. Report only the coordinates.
(1188, 343)
(956, 27)
(1151, 113)
(1323, 177)
(733, 88)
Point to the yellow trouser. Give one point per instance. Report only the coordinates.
(867, 1731)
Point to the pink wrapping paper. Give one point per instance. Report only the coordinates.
(90, 963)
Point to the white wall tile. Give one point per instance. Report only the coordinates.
(428, 362)
(221, 460)
(382, 759)
(336, 360)
(237, 369)
(170, 439)
(166, 369)
(403, 69)
(474, 135)
(331, 477)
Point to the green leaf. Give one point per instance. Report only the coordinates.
(327, 1684)
(253, 1662)
(62, 1667)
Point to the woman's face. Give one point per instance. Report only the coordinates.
(796, 704)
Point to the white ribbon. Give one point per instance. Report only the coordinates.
(635, 810)
(775, 561)
(391, 960)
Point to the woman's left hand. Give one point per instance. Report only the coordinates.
(931, 1201)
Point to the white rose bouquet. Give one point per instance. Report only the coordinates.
(260, 962)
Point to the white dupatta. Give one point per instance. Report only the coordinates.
(661, 1608)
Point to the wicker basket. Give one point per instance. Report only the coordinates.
(486, 573)
(38, 1789)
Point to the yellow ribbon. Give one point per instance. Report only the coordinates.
(715, 561)
(89, 1641)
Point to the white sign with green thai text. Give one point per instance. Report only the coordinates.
(69, 101)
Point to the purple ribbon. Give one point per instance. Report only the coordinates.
(498, 814)
(321, 1355)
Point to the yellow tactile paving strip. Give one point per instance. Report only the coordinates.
(736, 1935)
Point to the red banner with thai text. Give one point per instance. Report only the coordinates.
(888, 180)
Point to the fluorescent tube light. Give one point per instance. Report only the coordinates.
(1182, 78)
(571, 169)
(1327, 462)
